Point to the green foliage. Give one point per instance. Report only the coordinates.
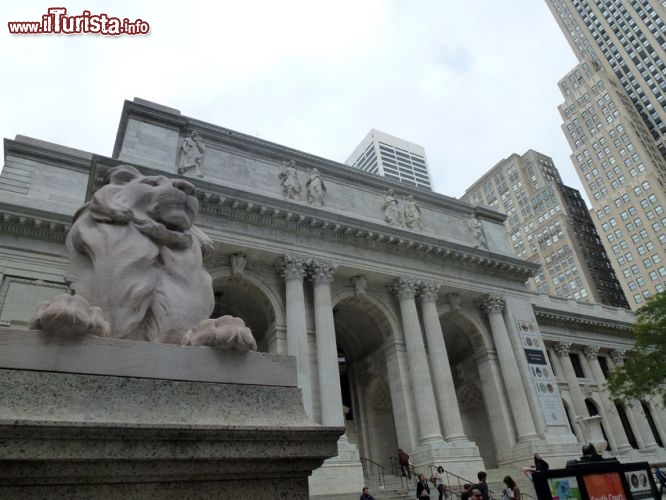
(644, 372)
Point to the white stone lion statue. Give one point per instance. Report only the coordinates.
(136, 268)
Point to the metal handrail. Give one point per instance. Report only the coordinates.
(491, 494)
(368, 465)
(459, 480)
(396, 470)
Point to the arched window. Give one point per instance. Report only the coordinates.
(631, 437)
(593, 411)
(653, 427)
(566, 411)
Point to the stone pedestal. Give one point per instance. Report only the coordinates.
(340, 477)
(105, 418)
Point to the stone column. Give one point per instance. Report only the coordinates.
(418, 362)
(635, 414)
(617, 436)
(562, 349)
(447, 401)
(292, 270)
(493, 307)
(330, 395)
(498, 410)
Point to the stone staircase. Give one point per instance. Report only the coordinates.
(496, 483)
(393, 489)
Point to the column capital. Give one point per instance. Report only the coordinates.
(618, 355)
(492, 304)
(562, 348)
(320, 272)
(290, 267)
(591, 352)
(428, 291)
(405, 288)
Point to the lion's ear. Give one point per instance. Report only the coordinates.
(121, 175)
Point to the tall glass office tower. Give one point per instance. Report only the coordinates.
(615, 121)
(391, 157)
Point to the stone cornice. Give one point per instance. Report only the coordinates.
(216, 200)
(579, 321)
(302, 219)
(260, 210)
(219, 135)
(151, 111)
(30, 223)
(62, 156)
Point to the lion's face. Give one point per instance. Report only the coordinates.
(169, 201)
(130, 195)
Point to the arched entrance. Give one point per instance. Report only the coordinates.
(361, 330)
(463, 344)
(594, 411)
(238, 297)
(568, 412)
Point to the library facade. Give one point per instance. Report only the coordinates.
(406, 310)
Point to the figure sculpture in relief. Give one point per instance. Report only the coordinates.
(316, 188)
(412, 214)
(392, 213)
(291, 184)
(476, 228)
(191, 155)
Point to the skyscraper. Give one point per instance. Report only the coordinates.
(548, 223)
(391, 157)
(615, 121)
(626, 39)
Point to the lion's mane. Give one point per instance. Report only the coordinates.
(134, 252)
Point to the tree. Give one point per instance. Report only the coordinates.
(643, 374)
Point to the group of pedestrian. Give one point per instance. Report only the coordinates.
(422, 484)
(477, 491)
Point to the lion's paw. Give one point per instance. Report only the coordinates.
(227, 332)
(69, 314)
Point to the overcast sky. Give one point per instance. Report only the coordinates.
(471, 81)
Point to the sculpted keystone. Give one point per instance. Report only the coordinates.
(136, 268)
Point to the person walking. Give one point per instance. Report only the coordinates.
(482, 485)
(422, 488)
(662, 480)
(540, 465)
(405, 464)
(439, 482)
(512, 492)
(365, 495)
(474, 494)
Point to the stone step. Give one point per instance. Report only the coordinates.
(393, 488)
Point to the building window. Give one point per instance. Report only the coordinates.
(593, 411)
(552, 366)
(627, 427)
(575, 361)
(603, 362)
(653, 427)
